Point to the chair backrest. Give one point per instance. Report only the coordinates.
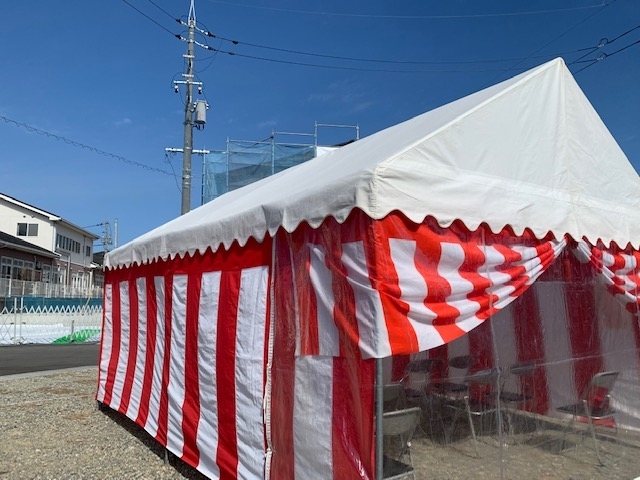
(401, 422)
(488, 376)
(599, 389)
(461, 361)
(424, 365)
(392, 391)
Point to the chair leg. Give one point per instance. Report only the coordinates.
(473, 430)
(421, 400)
(595, 441)
(567, 425)
(504, 428)
(508, 417)
(449, 431)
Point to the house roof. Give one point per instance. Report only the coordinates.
(15, 243)
(530, 152)
(50, 216)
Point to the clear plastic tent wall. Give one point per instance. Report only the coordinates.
(247, 162)
(495, 338)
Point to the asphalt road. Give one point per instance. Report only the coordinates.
(37, 358)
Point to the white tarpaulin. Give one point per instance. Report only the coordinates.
(532, 147)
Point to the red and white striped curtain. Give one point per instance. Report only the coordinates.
(183, 356)
(320, 407)
(618, 271)
(389, 287)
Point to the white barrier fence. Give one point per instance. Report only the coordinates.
(54, 324)
(10, 287)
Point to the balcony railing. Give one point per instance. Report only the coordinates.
(10, 287)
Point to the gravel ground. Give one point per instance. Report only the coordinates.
(50, 429)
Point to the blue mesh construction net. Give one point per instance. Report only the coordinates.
(246, 162)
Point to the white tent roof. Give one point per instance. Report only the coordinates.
(530, 152)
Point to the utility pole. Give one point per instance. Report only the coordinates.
(190, 109)
(106, 238)
(188, 121)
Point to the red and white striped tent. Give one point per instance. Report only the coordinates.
(244, 334)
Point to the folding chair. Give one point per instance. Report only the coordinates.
(511, 400)
(454, 389)
(594, 405)
(417, 381)
(399, 426)
(393, 396)
(455, 395)
(416, 377)
(484, 401)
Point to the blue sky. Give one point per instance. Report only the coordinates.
(100, 73)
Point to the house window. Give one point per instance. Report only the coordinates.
(27, 229)
(16, 271)
(5, 272)
(69, 244)
(46, 273)
(26, 273)
(87, 251)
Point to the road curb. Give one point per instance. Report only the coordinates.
(46, 372)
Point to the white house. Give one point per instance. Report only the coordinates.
(71, 246)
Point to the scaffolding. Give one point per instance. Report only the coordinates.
(244, 162)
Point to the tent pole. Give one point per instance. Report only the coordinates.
(378, 417)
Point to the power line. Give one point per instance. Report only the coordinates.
(207, 33)
(580, 59)
(603, 43)
(589, 50)
(211, 60)
(338, 67)
(357, 59)
(621, 35)
(162, 9)
(552, 40)
(151, 19)
(408, 17)
(81, 145)
(606, 55)
(168, 160)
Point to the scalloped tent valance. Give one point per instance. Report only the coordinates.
(530, 152)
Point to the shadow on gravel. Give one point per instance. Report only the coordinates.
(187, 471)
